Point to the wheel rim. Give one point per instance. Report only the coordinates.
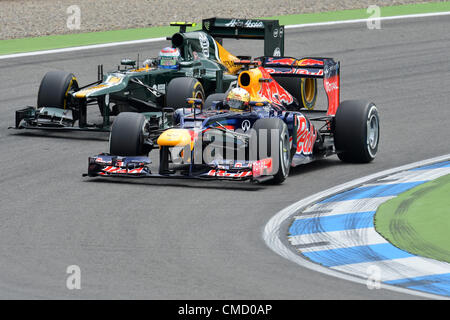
(309, 90)
(198, 91)
(372, 133)
(308, 93)
(284, 154)
(72, 84)
(199, 95)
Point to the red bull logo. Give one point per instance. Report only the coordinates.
(281, 61)
(306, 136)
(308, 63)
(273, 91)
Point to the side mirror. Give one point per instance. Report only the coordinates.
(195, 102)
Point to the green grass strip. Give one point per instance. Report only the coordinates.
(11, 46)
(388, 11)
(418, 220)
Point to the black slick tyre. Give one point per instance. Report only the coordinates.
(54, 88)
(180, 89)
(357, 131)
(280, 153)
(127, 135)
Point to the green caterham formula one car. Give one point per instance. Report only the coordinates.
(194, 65)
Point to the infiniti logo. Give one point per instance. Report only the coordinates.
(245, 125)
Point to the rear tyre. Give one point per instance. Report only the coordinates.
(127, 135)
(357, 131)
(280, 153)
(54, 88)
(180, 89)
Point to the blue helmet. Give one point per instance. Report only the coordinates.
(169, 58)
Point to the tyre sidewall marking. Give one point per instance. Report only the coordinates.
(195, 89)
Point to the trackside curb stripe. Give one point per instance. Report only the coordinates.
(323, 209)
(272, 233)
(351, 253)
(437, 284)
(338, 222)
(384, 190)
(358, 254)
(395, 269)
(445, 164)
(336, 239)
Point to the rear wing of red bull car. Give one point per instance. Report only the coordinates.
(317, 68)
(273, 60)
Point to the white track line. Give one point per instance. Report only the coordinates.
(271, 233)
(122, 43)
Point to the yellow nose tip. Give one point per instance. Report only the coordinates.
(174, 138)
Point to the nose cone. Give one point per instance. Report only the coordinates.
(175, 138)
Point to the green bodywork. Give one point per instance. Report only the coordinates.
(205, 70)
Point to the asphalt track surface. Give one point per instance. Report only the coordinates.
(201, 240)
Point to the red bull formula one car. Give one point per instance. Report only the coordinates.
(279, 128)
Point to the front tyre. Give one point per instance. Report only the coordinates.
(54, 89)
(180, 89)
(357, 131)
(127, 135)
(273, 133)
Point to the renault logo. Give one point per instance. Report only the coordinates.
(245, 125)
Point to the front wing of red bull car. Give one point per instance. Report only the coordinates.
(204, 144)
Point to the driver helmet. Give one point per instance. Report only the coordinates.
(169, 58)
(238, 99)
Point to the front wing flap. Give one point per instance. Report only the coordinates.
(105, 165)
